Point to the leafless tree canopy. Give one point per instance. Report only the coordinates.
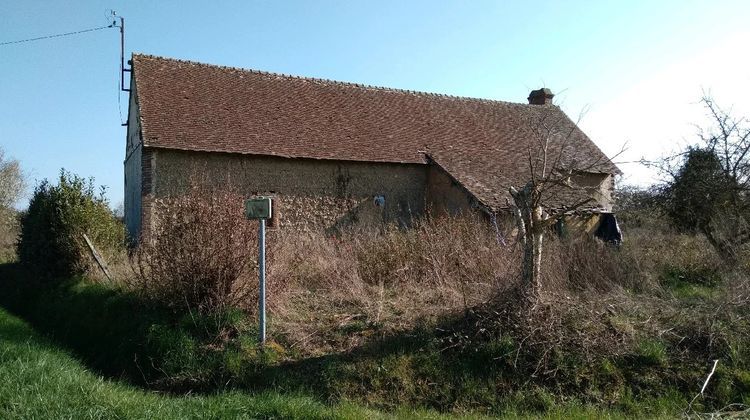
(11, 181)
(12, 186)
(706, 186)
(550, 190)
(729, 139)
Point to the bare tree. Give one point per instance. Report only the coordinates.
(11, 187)
(707, 186)
(11, 181)
(551, 190)
(119, 211)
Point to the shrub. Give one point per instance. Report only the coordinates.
(58, 216)
(709, 196)
(200, 253)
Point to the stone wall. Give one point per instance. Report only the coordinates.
(308, 193)
(598, 186)
(445, 196)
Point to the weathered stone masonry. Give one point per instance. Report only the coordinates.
(318, 194)
(308, 193)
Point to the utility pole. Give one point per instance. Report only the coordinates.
(122, 52)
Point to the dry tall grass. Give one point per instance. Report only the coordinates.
(332, 294)
(343, 290)
(340, 292)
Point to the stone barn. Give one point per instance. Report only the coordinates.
(333, 154)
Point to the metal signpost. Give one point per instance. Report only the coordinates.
(260, 209)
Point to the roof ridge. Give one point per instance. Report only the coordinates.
(334, 82)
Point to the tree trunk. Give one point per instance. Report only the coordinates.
(726, 250)
(531, 225)
(532, 259)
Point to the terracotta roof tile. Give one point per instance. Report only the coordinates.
(482, 143)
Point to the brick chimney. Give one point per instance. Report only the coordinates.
(541, 97)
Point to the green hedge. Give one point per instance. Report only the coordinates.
(52, 229)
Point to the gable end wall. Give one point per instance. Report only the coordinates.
(133, 168)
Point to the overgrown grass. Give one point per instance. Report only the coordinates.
(346, 291)
(442, 369)
(42, 381)
(429, 318)
(120, 334)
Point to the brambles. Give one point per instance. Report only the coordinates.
(433, 316)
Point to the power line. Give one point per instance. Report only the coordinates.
(58, 35)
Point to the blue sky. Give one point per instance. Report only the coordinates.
(636, 67)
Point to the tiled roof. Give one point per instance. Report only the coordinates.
(482, 143)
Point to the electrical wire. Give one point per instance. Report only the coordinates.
(58, 35)
(109, 14)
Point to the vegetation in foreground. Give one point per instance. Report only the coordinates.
(43, 381)
(630, 331)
